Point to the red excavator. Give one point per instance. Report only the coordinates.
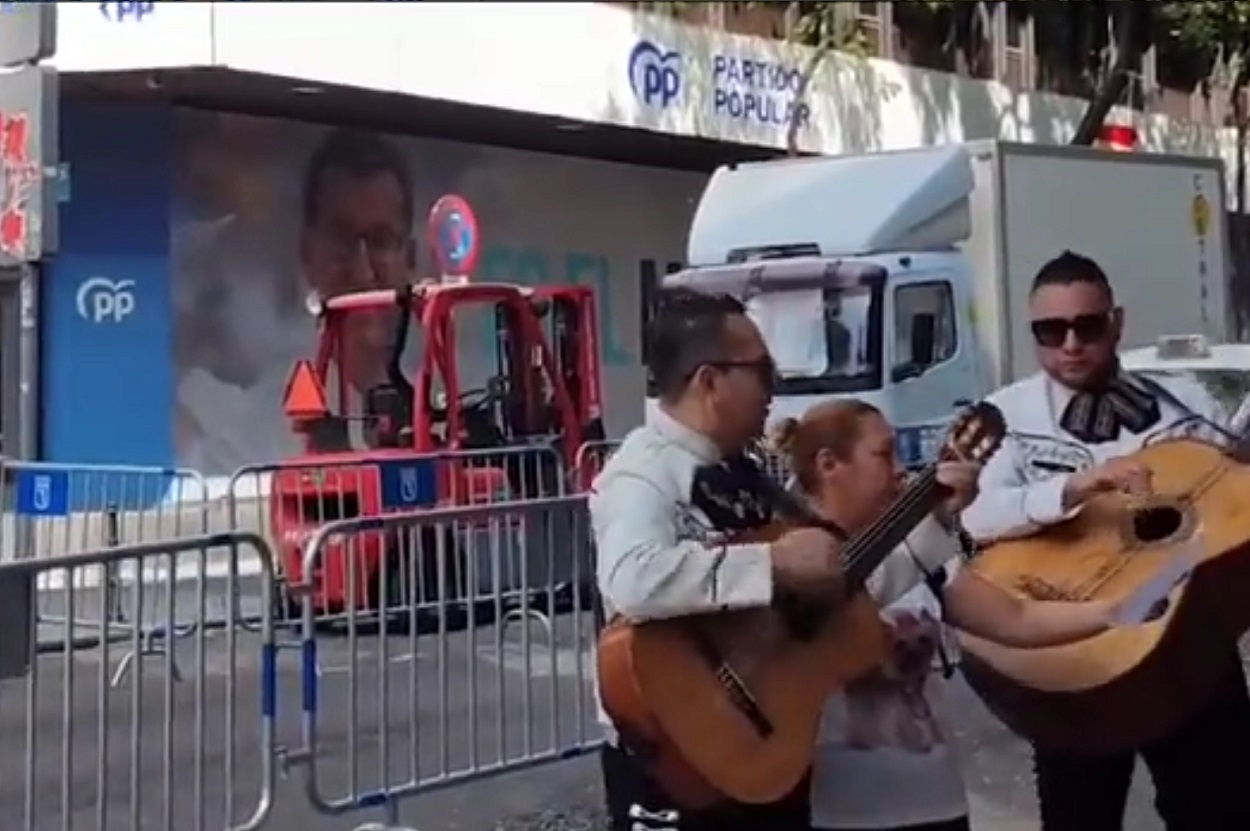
(422, 441)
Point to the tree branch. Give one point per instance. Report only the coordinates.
(1128, 51)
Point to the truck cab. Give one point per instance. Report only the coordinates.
(903, 277)
(853, 271)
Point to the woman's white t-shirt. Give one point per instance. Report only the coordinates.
(885, 757)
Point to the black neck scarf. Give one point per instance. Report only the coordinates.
(1098, 416)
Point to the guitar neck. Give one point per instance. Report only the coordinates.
(868, 549)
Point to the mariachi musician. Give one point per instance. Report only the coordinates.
(653, 527)
(1072, 425)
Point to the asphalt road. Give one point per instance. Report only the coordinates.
(192, 754)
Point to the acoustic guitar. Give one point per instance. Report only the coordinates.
(1129, 686)
(727, 706)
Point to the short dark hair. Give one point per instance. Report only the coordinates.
(359, 155)
(689, 330)
(1068, 268)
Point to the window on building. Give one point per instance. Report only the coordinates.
(935, 299)
(1016, 64)
(920, 30)
(1179, 73)
(873, 22)
(1016, 23)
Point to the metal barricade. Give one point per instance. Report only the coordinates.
(81, 752)
(590, 459)
(286, 502)
(51, 510)
(502, 682)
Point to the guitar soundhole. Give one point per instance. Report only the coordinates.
(803, 618)
(1156, 523)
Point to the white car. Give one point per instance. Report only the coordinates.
(1223, 368)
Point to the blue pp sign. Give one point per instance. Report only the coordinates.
(407, 484)
(654, 74)
(121, 11)
(42, 492)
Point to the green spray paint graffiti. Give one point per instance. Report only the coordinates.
(534, 267)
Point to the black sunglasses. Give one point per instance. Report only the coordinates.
(1052, 332)
(764, 369)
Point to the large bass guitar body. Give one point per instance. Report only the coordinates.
(1128, 686)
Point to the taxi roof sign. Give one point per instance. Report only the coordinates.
(305, 396)
(1172, 347)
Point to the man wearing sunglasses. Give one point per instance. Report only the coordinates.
(664, 510)
(1072, 424)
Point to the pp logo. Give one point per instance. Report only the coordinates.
(654, 74)
(101, 300)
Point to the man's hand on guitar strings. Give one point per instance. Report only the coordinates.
(807, 561)
(1124, 475)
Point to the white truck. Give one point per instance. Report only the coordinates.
(903, 277)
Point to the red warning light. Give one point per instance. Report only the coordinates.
(305, 396)
(1122, 138)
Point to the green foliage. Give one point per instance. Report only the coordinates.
(1215, 31)
(824, 26)
(1218, 30)
(1218, 25)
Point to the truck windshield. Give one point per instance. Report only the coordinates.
(824, 340)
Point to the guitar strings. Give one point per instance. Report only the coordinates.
(861, 546)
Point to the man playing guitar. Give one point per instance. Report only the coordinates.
(1071, 425)
(662, 545)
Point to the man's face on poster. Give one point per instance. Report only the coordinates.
(359, 240)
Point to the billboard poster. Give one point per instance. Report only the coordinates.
(266, 212)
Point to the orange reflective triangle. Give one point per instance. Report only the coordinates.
(305, 394)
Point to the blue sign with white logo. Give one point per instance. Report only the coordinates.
(744, 88)
(654, 74)
(108, 386)
(407, 484)
(42, 492)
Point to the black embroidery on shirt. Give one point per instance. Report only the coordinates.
(1045, 456)
(730, 494)
(1123, 404)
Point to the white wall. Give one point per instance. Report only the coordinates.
(572, 60)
